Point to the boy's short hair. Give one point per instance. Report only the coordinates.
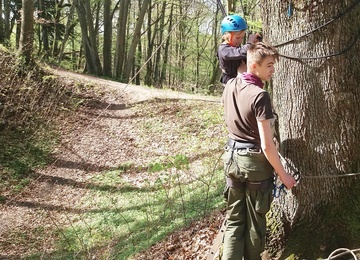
(257, 52)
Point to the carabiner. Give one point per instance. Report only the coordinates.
(278, 190)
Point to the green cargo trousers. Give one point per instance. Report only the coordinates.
(248, 200)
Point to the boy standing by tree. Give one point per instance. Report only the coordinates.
(231, 54)
(251, 156)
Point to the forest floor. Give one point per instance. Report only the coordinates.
(60, 185)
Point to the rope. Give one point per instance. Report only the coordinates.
(350, 8)
(355, 174)
(345, 252)
(325, 56)
(278, 190)
(222, 8)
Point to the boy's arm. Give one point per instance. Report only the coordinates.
(270, 151)
(235, 53)
(238, 53)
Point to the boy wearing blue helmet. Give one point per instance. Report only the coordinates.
(230, 54)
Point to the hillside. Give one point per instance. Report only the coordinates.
(115, 125)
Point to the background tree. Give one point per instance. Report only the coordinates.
(135, 40)
(107, 59)
(27, 30)
(7, 21)
(69, 29)
(120, 52)
(315, 92)
(2, 29)
(88, 35)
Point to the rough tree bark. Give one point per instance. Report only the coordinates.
(7, 25)
(318, 100)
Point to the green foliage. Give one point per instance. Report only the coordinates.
(255, 26)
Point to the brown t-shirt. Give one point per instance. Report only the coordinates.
(244, 105)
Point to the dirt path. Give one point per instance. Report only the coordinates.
(95, 140)
(128, 92)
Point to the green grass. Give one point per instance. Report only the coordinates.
(22, 152)
(122, 216)
(123, 219)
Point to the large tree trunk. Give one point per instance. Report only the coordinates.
(317, 101)
(57, 33)
(215, 69)
(148, 80)
(27, 30)
(160, 38)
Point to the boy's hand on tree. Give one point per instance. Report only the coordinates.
(288, 180)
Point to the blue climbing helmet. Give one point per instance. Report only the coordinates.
(233, 23)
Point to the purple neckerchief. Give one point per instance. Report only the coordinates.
(253, 79)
